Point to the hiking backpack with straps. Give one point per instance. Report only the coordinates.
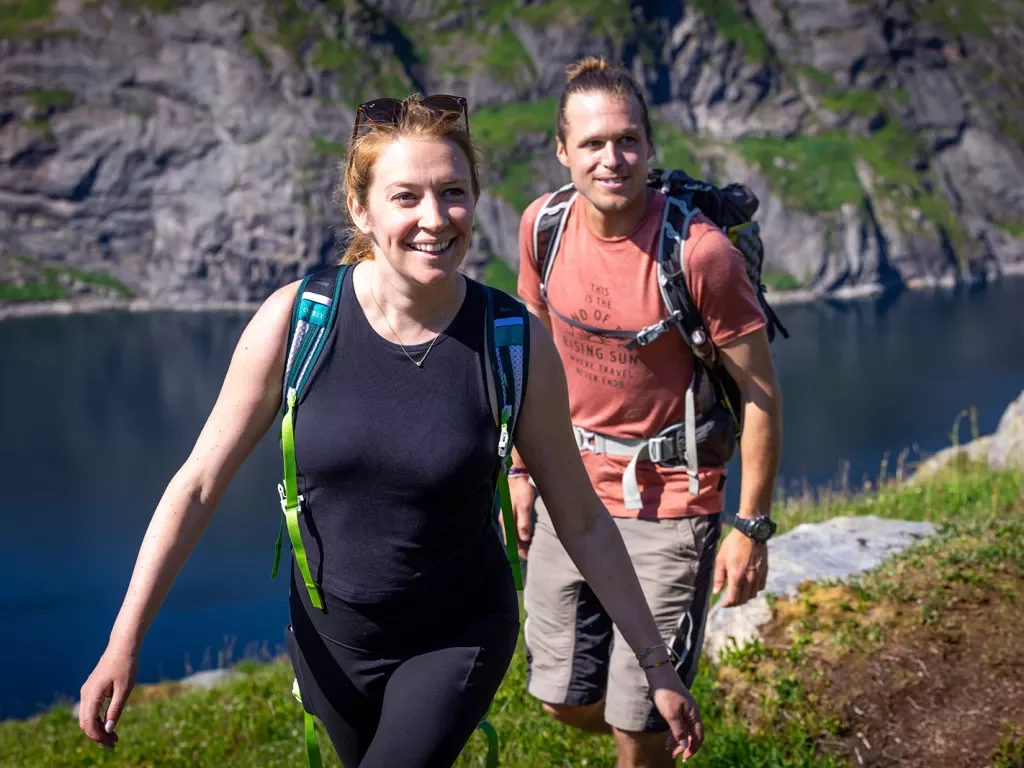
(713, 420)
(313, 315)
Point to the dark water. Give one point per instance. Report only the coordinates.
(98, 411)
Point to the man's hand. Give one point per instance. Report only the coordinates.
(744, 565)
(523, 495)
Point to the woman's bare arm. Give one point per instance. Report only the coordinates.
(245, 408)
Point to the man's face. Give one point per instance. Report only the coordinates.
(606, 149)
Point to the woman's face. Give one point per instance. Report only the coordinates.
(419, 209)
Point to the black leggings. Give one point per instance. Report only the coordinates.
(403, 683)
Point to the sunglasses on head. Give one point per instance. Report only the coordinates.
(385, 110)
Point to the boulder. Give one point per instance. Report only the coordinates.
(834, 550)
(1003, 449)
(1006, 449)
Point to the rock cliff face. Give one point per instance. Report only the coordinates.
(188, 149)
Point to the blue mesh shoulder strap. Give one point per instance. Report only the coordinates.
(313, 315)
(508, 348)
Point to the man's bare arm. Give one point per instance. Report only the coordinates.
(749, 361)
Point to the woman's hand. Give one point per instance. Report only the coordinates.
(113, 678)
(679, 709)
(523, 496)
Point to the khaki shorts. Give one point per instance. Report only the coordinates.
(576, 656)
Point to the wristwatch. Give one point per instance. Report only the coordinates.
(758, 529)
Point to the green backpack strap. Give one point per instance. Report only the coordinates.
(313, 315)
(312, 745)
(492, 742)
(508, 348)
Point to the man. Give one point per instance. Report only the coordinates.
(605, 278)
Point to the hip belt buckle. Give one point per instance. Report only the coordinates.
(585, 439)
(666, 449)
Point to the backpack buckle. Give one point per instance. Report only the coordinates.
(284, 499)
(666, 449)
(585, 439)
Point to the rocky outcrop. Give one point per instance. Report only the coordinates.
(168, 155)
(190, 154)
(1003, 449)
(836, 549)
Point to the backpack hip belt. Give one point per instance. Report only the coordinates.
(673, 446)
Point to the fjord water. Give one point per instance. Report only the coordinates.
(98, 411)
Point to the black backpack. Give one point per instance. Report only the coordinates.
(718, 424)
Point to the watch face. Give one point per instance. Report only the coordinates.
(761, 529)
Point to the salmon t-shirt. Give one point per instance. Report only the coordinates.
(612, 283)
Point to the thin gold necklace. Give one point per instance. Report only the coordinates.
(417, 363)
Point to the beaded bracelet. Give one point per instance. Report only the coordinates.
(518, 472)
(648, 651)
(660, 663)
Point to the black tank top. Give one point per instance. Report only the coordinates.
(397, 463)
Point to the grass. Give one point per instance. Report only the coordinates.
(811, 173)
(21, 19)
(780, 281)
(506, 58)
(763, 705)
(816, 174)
(612, 18)
(360, 74)
(50, 98)
(48, 287)
(322, 146)
(498, 131)
(820, 644)
(500, 127)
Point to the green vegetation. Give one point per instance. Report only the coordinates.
(360, 74)
(965, 17)
(24, 18)
(955, 593)
(499, 127)
(602, 17)
(39, 126)
(43, 283)
(675, 148)
(1014, 228)
(157, 6)
(764, 705)
(252, 45)
(498, 274)
(891, 153)
(780, 281)
(50, 98)
(863, 103)
(505, 56)
(736, 27)
(810, 173)
(817, 174)
(498, 130)
(331, 148)
(361, 79)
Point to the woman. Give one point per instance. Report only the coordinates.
(395, 451)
